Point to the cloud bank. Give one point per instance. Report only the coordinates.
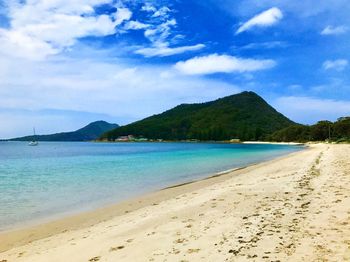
(215, 63)
(42, 28)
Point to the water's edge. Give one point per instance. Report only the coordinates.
(72, 214)
(26, 234)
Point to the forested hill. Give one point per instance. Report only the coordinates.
(245, 116)
(338, 131)
(90, 132)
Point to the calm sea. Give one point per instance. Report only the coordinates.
(55, 179)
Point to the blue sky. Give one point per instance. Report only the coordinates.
(65, 63)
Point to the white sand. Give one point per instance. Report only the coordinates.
(296, 208)
(272, 143)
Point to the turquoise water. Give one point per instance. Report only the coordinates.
(54, 179)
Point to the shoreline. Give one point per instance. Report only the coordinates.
(273, 143)
(39, 229)
(291, 208)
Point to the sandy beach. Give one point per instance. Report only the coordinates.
(295, 208)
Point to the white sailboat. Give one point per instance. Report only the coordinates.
(33, 142)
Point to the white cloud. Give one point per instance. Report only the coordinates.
(160, 25)
(17, 44)
(265, 45)
(122, 14)
(148, 8)
(159, 33)
(167, 51)
(334, 30)
(264, 19)
(302, 9)
(161, 12)
(215, 63)
(309, 110)
(338, 65)
(135, 25)
(42, 28)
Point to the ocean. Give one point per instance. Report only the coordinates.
(55, 179)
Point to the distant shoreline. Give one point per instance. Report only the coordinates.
(209, 142)
(168, 141)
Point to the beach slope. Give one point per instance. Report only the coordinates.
(296, 208)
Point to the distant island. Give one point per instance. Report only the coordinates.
(244, 116)
(90, 132)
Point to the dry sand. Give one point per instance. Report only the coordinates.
(296, 208)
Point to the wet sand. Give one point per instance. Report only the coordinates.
(296, 208)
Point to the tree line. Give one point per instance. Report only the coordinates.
(338, 131)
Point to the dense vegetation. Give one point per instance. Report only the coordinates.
(90, 132)
(245, 116)
(338, 131)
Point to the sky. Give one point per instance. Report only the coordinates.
(65, 63)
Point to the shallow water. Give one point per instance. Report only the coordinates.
(57, 178)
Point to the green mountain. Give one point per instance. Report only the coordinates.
(245, 116)
(90, 132)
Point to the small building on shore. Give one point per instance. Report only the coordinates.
(125, 138)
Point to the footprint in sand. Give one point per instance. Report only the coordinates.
(180, 241)
(193, 250)
(20, 254)
(95, 259)
(116, 248)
